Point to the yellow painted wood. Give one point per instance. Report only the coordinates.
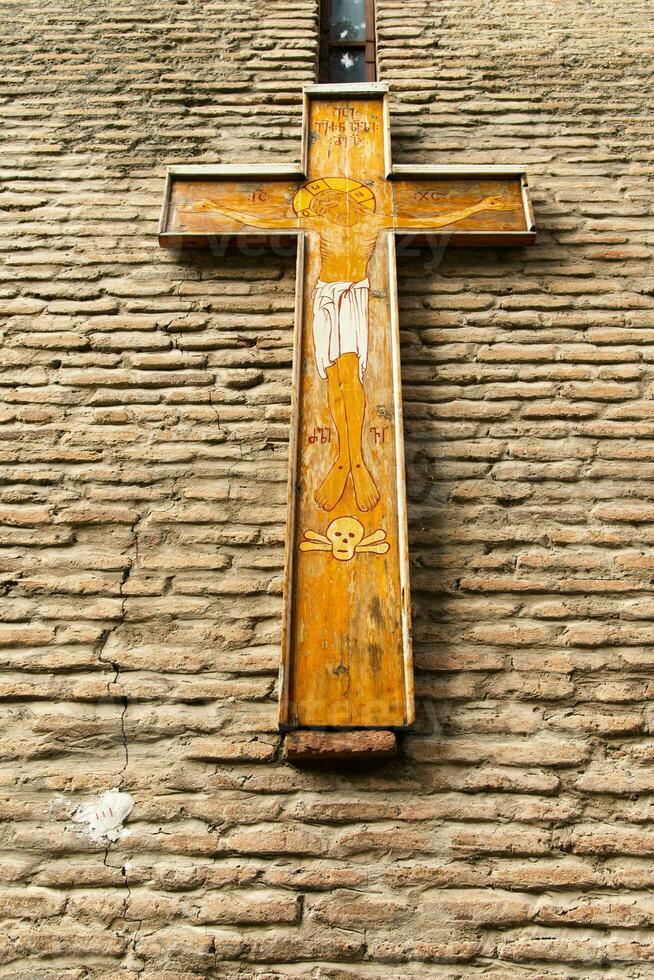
(348, 636)
(346, 632)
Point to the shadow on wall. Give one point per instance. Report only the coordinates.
(457, 412)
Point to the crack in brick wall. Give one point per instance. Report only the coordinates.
(144, 424)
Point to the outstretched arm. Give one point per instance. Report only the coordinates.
(451, 217)
(244, 217)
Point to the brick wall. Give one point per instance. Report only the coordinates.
(144, 432)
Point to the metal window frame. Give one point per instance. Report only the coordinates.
(368, 46)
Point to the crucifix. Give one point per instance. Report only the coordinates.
(346, 680)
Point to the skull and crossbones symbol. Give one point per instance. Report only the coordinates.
(346, 538)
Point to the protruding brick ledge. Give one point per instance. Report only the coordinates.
(356, 745)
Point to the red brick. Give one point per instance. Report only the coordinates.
(304, 746)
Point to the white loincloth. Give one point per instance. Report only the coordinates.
(340, 322)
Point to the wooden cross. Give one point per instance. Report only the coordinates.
(346, 639)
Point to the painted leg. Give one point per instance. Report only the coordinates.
(331, 489)
(365, 488)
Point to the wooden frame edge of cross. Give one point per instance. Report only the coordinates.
(361, 734)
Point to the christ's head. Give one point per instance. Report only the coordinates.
(338, 207)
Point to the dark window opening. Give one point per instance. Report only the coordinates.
(347, 41)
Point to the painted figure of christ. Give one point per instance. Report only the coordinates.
(348, 228)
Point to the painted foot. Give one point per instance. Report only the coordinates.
(365, 488)
(331, 489)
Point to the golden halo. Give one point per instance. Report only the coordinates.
(354, 188)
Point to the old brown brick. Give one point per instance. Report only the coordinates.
(574, 946)
(232, 750)
(513, 840)
(291, 840)
(348, 912)
(478, 906)
(234, 908)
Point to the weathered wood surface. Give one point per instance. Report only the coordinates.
(415, 206)
(348, 647)
(346, 632)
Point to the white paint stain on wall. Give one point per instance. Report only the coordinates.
(104, 817)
